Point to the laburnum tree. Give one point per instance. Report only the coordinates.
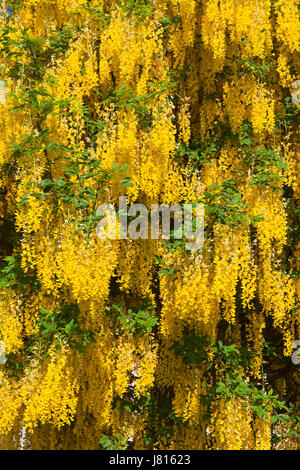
(143, 344)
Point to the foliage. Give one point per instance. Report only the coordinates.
(141, 343)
